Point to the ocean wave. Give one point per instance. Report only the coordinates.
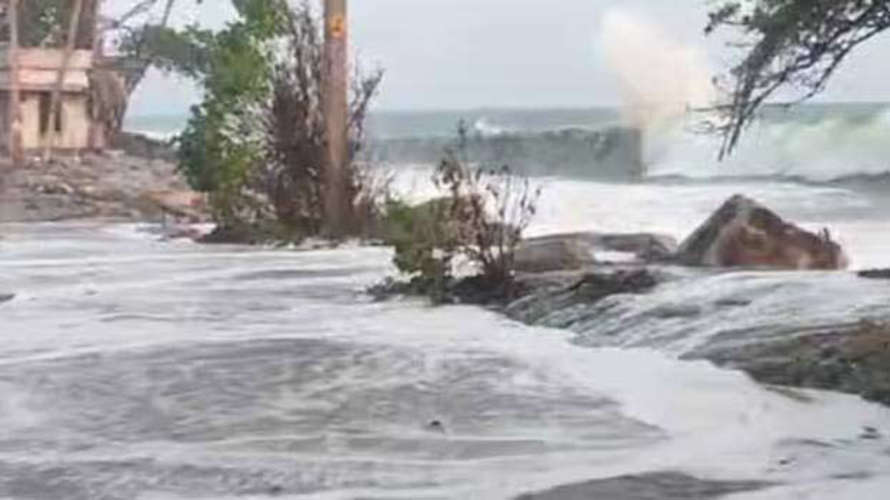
(810, 143)
(162, 136)
(819, 144)
(483, 127)
(606, 154)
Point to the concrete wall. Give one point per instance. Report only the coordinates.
(39, 69)
(75, 132)
(38, 72)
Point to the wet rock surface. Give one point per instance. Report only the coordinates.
(849, 358)
(804, 329)
(140, 146)
(875, 274)
(567, 251)
(547, 297)
(553, 254)
(744, 233)
(657, 485)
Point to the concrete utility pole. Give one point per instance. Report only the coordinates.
(336, 203)
(14, 112)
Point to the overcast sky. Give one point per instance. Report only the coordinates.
(458, 54)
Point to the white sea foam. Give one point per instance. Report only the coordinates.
(571, 413)
(854, 219)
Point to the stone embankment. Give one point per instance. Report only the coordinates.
(137, 184)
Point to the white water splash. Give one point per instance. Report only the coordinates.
(660, 78)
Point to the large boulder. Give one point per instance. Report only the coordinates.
(745, 233)
(141, 146)
(571, 251)
(645, 247)
(552, 254)
(181, 203)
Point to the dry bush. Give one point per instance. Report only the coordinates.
(293, 126)
(481, 216)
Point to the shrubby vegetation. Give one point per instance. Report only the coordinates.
(256, 143)
(480, 219)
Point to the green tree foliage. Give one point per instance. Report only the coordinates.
(256, 142)
(789, 45)
(42, 23)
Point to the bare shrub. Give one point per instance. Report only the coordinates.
(481, 216)
(294, 128)
(489, 207)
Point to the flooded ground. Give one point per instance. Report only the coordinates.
(133, 368)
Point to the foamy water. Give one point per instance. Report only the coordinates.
(855, 219)
(815, 142)
(132, 368)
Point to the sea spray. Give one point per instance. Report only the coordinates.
(660, 78)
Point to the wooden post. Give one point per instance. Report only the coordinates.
(55, 101)
(16, 151)
(337, 203)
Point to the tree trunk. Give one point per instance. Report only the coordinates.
(55, 101)
(14, 113)
(337, 203)
(88, 30)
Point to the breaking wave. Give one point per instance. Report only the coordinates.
(815, 142)
(812, 143)
(606, 154)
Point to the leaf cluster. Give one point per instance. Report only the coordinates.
(257, 141)
(788, 44)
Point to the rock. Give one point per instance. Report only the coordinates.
(436, 426)
(6, 297)
(744, 233)
(553, 254)
(180, 203)
(593, 287)
(851, 358)
(677, 311)
(875, 274)
(650, 485)
(644, 247)
(141, 146)
(101, 185)
(55, 187)
(731, 302)
(870, 433)
(546, 303)
(179, 232)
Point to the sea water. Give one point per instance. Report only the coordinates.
(138, 368)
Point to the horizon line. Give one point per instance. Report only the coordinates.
(531, 108)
